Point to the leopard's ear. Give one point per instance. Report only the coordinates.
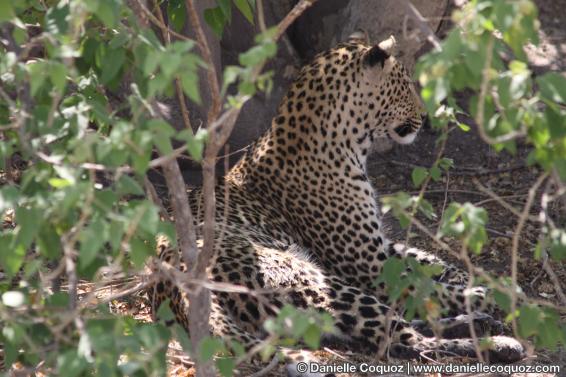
(388, 45)
(359, 36)
(376, 55)
(379, 53)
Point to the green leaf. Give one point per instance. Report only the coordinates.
(38, 72)
(114, 59)
(108, 11)
(127, 185)
(555, 122)
(8, 198)
(210, 347)
(553, 86)
(58, 299)
(48, 242)
(149, 218)
(6, 10)
(151, 62)
(115, 234)
(529, 321)
(165, 314)
(119, 40)
(58, 75)
(92, 239)
(426, 208)
(258, 54)
(244, 7)
(246, 88)
(237, 348)
(59, 183)
(140, 251)
(163, 143)
(189, 82)
(391, 271)
(10, 353)
(12, 255)
(435, 173)
(312, 336)
(418, 175)
(13, 335)
(231, 74)
(183, 338)
(177, 14)
(446, 163)
(170, 65)
(29, 221)
(215, 18)
(226, 8)
(226, 366)
(57, 19)
(558, 244)
(195, 145)
(69, 364)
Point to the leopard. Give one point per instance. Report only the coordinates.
(298, 218)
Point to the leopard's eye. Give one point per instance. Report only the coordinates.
(404, 129)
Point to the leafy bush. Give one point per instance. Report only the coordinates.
(485, 55)
(79, 80)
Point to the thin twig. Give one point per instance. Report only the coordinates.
(545, 199)
(260, 16)
(423, 25)
(455, 170)
(157, 23)
(468, 300)
(211, 75)
(496, 198)
(199, 309)
(484, 87)
(515, 246)
(152, 194)
(166, 33)
(268, 368)
(445, 200)
(299, 9)
(422, 191)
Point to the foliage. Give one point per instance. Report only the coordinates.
(485, 55)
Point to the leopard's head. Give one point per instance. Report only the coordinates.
(395, 109)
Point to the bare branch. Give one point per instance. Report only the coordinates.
(260, 16)
(299, 9)
(199, 309)
(515, 245)
(269, 367)
(166, 33)
(207, 57)
(138, 5)
(484, 87)
(423, 25)
(152, 194)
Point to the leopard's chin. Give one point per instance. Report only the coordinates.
(406, 139)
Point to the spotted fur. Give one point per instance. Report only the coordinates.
(302, 218)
